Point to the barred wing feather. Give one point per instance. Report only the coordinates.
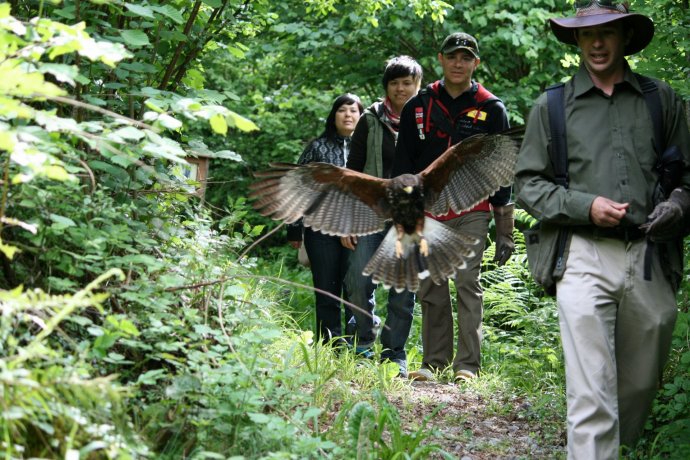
(471, 171)
(330, 199)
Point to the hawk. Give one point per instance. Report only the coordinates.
(343, 202)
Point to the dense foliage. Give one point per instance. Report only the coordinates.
(137, 320)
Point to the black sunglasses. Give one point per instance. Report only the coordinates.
(461, 42)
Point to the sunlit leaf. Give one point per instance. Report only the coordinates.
(57, 172)
(218, 124)
(61, 72)
(241, 123)
(226, 155)
(130, 133)
(8, 250)
(169, 122)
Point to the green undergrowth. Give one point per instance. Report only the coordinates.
(197, 355)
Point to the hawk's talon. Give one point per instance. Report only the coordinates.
(423, 247)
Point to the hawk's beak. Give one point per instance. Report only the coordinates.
(408, 189)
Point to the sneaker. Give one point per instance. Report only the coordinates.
(364, 352)
(464, 374)
(422, 375)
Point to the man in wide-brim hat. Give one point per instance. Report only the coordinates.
(623, 258)
(598, 13)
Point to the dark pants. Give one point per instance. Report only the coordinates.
(361, 293)
(328, 264)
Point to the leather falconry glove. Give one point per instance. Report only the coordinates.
(503, 215)
(668, 219)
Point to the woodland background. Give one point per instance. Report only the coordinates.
(138, 321)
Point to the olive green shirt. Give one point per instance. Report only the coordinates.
(610, 151)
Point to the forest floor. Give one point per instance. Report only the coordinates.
(472, 426)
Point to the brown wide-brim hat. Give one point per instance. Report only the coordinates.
(595, 15)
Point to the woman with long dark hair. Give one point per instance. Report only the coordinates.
(327, 256)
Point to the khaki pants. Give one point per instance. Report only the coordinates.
(437, 311)
(616, 330)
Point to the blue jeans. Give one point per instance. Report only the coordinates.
(361, 289)
(328, 265)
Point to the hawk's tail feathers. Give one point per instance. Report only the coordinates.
(448, 251)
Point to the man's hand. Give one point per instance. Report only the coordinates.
(349, 242)
(667, 219)
(607, 213)
(503, 215)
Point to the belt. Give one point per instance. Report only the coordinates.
(626, 234)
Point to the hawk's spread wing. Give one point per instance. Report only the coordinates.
(471, 171)
(333, 200)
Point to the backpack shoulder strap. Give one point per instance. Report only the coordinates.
(653, 100)
(429, 97)
(555, 100)
(558, 152)
(650, 90)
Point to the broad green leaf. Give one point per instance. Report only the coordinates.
(63, 73)
(62, 220)
(241, 123)
(225, 155)
(107, 52)
(130, 133)
(151, 377)
(213, 3)
(117, 172)
(97, 101)
(259, 418)
(8, 139)
(218, 124)
(128, 327)
(56, 172)
(8, 250)
(105, 341)
(169, 11)
(238, 53)
(169, 122)
(163, 147)
(187, 104)
(155, 105)
(135, 38)
(13, 108)
(9, 22)
(52, 122)
(142, 259)
(143, 11)
(139, 67)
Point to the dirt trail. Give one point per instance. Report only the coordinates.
(472, 427)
